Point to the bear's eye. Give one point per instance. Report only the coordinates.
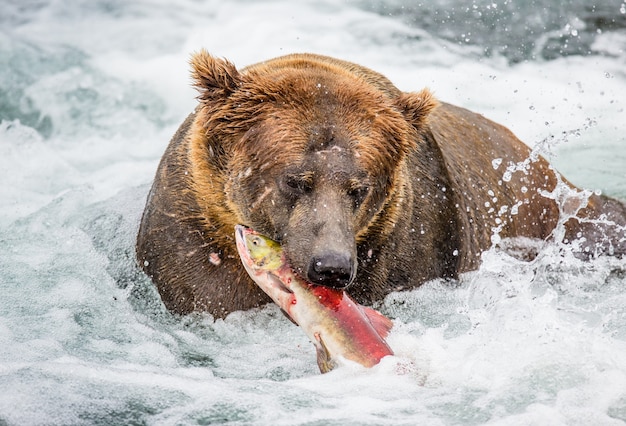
(358, 193)
(298, 184)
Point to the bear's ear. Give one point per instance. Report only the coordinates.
(416, 106)
(213, 77)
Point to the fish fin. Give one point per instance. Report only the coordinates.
(381, 323)
(324, 361)
(288, 316)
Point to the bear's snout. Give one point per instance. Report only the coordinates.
(332, 269)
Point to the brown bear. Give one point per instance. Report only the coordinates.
(366, 187)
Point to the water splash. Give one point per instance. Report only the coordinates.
(568, 199)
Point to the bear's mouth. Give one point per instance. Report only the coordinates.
(295, 270)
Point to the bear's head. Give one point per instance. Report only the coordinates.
(307, 150)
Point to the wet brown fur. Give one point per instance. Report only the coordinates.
(428, 214)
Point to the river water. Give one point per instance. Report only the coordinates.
(92, 90)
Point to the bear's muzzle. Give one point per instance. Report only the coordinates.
(332, 269)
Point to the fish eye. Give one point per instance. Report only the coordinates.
(256, 241)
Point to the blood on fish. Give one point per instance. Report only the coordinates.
(328, 297)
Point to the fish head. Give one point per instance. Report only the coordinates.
(264, 261)
(258, 251)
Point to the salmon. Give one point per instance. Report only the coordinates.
(339, 328)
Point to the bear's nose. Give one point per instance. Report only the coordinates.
(331, 269)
